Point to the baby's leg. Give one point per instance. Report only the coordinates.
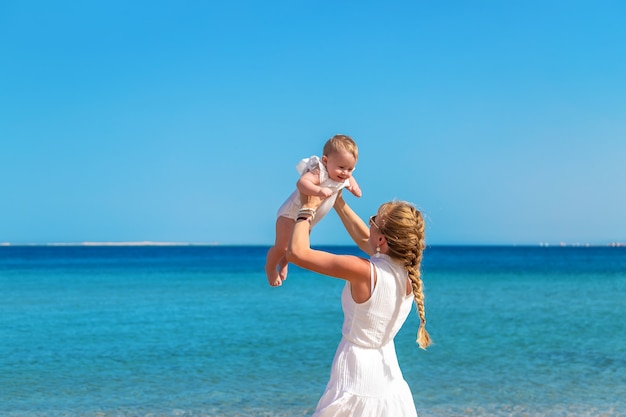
(275, 260)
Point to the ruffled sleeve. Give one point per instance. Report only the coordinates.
(311, 164)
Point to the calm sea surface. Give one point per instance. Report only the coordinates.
(196, 331)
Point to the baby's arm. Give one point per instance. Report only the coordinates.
(309, 184)
(354, 187)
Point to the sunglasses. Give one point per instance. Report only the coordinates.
(372, 221)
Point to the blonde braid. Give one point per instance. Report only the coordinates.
(403, 227)
(415, 275)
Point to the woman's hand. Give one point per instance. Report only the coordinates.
(311, 201)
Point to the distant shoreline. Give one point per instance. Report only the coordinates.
(140, 243)
(214, 244)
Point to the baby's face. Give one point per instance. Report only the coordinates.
(339, 165)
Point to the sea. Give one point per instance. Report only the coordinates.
(197, 331)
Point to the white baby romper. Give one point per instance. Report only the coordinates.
(365, 379)
(291, 206)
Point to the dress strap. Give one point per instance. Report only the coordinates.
(372, 276)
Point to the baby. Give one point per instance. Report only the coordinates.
(320, 177)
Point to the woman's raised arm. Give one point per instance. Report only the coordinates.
(356, 228)
(348, 267)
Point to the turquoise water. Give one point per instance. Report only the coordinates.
(196, 331)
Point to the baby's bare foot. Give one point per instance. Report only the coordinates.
(273, 278)
(282, 269)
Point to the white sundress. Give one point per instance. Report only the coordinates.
(291, 206)
(365, 378)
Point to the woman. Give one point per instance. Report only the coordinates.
(366, 379)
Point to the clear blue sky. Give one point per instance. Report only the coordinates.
(182, 121)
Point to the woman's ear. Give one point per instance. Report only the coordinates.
(383, 244)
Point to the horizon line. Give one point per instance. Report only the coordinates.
(172, 244)
(129, 243)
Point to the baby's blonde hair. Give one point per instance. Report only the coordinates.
(403, 227)
(341, 142)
